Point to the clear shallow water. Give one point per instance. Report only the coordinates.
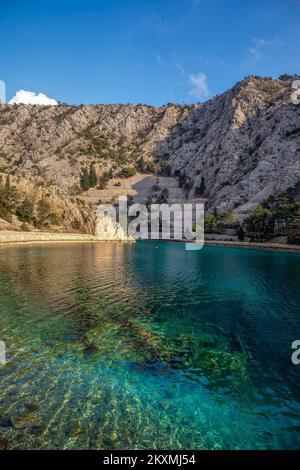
(149, 346)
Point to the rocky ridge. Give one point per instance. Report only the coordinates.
(244, 144)
(235, 150)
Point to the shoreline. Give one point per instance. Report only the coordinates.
(235, 244)
(255, 245)
(18, 238)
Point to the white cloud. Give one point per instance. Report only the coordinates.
(259, 44)
(29, 97)
(199, 87)
(197, 83)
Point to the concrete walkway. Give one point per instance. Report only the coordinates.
(29, 237)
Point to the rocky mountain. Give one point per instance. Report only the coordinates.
(54, 144)
(46, 150)
(234, 150)
(244, 145)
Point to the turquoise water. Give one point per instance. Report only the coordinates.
(147, 345)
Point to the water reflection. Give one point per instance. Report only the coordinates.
(147, 345)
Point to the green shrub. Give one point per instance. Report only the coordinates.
(5, 213)
(285, 77)
(151, 167)
(76, 224)
(37, 223)
(92, 176)
(196, 228)
(142, 166)
(261, 221)
(8, 196)
(88, 178)
(210, 223)
(24, 211)
(129, 171)
(165, 168)
(200, 190)
(294, 239)
(43, 208)
(85, 180)
(240, 234)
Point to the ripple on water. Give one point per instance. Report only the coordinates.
(148, 346)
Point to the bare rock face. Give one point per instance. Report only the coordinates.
(54, 144)
(45, 150)
(244, 145)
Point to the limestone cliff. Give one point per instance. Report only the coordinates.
(244, 145)
(234, 150)
(110, 230)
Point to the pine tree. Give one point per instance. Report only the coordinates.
(92, 176)
(240, 234)
(7, 184)
(201, 188)
(85, 180)
(202, 185)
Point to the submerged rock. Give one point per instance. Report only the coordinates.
(26, 421)
(31, 406)
(6, 422)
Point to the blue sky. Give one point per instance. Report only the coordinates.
(138, 51)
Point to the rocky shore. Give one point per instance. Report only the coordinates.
(262, 245)
(7, 237)
(11, 237)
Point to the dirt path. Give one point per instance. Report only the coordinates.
(139, 187)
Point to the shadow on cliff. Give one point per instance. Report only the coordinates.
(234, 154)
